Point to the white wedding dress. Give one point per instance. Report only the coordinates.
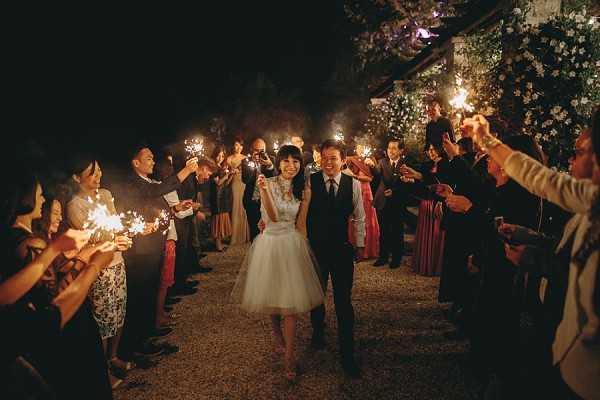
(279, 274)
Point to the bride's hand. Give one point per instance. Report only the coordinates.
(261, 182)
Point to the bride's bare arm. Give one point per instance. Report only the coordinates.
(303, 212)
(265, 197)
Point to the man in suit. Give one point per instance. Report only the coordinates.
(390, 201)
(145, 196)
(259, 163)
(335, 199)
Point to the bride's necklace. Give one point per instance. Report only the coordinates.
(285, 187)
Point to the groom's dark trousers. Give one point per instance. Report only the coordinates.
(328, 235)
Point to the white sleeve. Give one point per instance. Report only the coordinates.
(358, 215)
(573, 195)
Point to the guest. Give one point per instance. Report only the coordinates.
(437, 125)
(221, 199)
(73, 363)
(259, 163)
(360, 171)
(109, 292)
(315, 165)
(145, 196)
(429, 240)
(239, 222)
(390, 201)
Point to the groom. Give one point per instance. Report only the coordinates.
(336, 198)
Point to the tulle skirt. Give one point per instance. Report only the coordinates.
(279, 275)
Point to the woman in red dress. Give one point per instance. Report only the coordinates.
(359, 170)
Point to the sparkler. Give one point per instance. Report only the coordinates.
(367, 152)
(163, 221)
(194, 147)
(459, 101)
(339, 136)
(102, 223)
(276, 146)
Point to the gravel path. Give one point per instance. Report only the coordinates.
(225, 354)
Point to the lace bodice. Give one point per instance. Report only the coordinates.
(284, 201)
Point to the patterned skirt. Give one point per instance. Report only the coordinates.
(109, 297)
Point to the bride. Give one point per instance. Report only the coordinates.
(279, 276)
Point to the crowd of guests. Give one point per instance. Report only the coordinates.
(79, 312)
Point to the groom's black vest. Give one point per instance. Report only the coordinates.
(328, 227)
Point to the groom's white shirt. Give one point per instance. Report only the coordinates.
(358, 213)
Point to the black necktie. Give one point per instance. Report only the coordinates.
(331, 194)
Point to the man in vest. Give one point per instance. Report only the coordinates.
(336, 199)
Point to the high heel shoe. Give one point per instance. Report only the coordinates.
(290, 369)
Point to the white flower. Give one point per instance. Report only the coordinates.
(534, 96)
(598, 63)
(584, 100)
(576, 65)
(582, 51)
(502, 77)
(553, 132)
(555, 109)
(580, 26)
(553, 42)
(555, 73)
(527, 122)
(538, 136)
(562, 45)
(585, 64)
(517, 93)
(570, 33)
(572, 14)
(579, 18)
(509, 30)
(529, 85)
(517, 11)
(568, 121)
(546, 138)
(589, 81)
(581, 39)
(526, 99)
(574, 103)
(572, 74)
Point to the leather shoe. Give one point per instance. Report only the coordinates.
(149, 349)
(162, 332)
(168, 348)
(380, 262)
(351, 369)
(192, 283)
(204, 270)
(394, 265)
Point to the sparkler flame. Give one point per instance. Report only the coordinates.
(339, 136)
(194, 147)
(459, 101)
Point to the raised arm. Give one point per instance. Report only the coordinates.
(266, 198)
(303, 212)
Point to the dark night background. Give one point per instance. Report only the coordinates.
(102, 79)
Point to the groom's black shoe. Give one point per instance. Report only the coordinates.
(351, 369)
(317, 342)
(380, 262)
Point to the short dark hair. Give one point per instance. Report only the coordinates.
(330, 143)
(397, 140)
(136, 148)
(466, 144)
(205, 162)
(526, 144)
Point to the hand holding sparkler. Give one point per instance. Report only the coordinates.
(71, 240)
(452, 149)
(477, 127)
(261, 182)
(123, 242)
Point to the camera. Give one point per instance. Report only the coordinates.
(263, 155)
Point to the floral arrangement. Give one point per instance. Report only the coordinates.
(548, 80)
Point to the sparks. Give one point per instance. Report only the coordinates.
(194, 147)
(459, 101)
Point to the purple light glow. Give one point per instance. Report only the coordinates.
(423, 33)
